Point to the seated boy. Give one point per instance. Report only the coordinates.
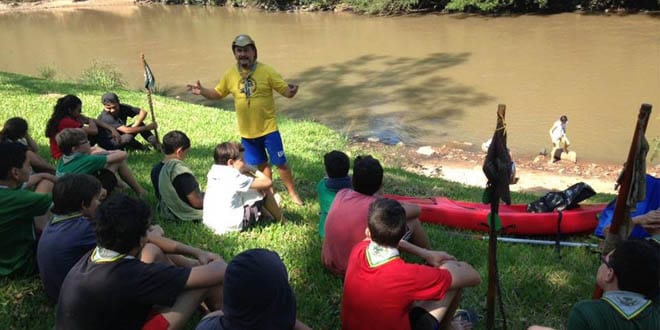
(111, 288)
(116, 114)
(336, 170)
(382, 291)
(256, 295)
(21, 211)
(347, 218)
(76, 158)
(236, 194)
(630, 279)
(176, 188)
(70, 234)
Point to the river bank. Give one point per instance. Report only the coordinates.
(537, 173)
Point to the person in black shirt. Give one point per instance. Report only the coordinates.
(116, 115)
(110, 288)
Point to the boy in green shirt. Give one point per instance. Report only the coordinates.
(22, 212)
(77, 158)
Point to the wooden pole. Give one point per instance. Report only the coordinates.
(492, 233)
(151, 103)
(619, 229)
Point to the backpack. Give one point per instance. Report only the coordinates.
(562, 200)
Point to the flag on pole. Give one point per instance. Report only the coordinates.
(149, 79)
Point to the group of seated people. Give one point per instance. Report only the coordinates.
(99, 256)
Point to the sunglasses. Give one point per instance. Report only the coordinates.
(603, 260)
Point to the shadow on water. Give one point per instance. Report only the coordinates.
(395, 98)
(378, 94)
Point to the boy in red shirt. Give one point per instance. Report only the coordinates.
(399, 295)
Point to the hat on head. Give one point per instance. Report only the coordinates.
(110, 98)
(242, 40)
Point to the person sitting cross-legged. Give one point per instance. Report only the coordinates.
(175, 185)
(70, 233)
(336, 169)
(76, 158)
(116, 114)
(347, 218)
(23, 212)
(236, 195)
(382, 291)
(135, 278)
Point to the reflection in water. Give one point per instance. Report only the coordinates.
(425, 80)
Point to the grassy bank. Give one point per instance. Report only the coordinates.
(537, 286)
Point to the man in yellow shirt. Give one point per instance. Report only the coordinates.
(252, 84)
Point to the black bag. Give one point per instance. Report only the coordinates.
(562, 200)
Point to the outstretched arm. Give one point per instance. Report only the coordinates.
(292, 91)
(208, 93)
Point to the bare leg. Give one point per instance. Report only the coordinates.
(287, 179)
(270, 204)
(267, 171)
(126, 175)
(39, 164)
(444, 309)
(419, 236)
(186, 304)
(152, 253)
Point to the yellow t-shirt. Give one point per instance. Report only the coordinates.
(256, 114)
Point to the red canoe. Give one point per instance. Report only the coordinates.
(472, 216)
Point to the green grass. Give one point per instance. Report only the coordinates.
(537, 286)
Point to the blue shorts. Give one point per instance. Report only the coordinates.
(255, 149)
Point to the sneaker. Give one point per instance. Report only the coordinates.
(465, 319)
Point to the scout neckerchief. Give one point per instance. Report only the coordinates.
(63, 217)
(103, 255)
(246, 75)
(378, 255)
(628, 304)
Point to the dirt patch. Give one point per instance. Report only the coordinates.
(9, 6)
(537, 174)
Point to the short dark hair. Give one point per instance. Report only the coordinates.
(14, 155)
(387, 222)
(367, 175)
(563, 119)
(14, 129)
(227, 151)
(69, 138)
(109, 98)
(121, 222)
(336, 164)
(72, 191)
(174, 140)
(636, 264)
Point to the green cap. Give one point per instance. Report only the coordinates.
(242, 40)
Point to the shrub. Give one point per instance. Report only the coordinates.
(102, 75)
(47, 72)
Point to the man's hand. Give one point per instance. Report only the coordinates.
(116, 137)
(437, 258)
(196, 88)
(649, 221)
(207, 257)
(152, 126)
(155, 230)
(293, 90)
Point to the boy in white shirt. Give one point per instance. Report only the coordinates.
(236, 194)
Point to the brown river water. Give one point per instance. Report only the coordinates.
(424, 80)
